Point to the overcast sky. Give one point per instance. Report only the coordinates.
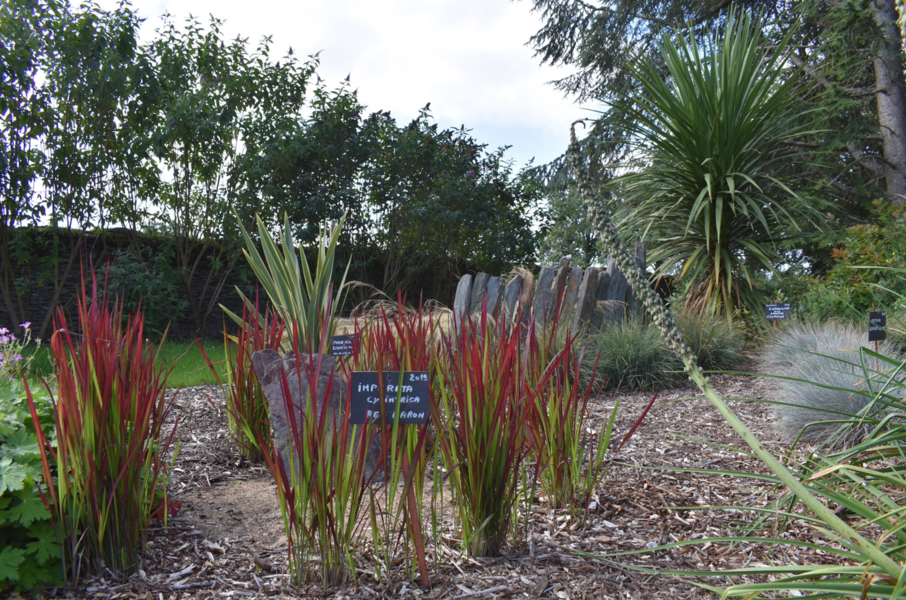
(468, 58)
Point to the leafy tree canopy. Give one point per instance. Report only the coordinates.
(851, 51)
(179, 134)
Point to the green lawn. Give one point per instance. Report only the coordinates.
(190, 368)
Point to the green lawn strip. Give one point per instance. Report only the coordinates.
(189, 367)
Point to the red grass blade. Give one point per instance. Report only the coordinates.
(638, 422)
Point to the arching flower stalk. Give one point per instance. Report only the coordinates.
(600, 220)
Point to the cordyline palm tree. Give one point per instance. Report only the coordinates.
(718, 191)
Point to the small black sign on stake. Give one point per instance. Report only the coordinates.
(409, 388)
(778, 311)
(877, 326)
(343, 345)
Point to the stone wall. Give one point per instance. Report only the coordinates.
(585, 297)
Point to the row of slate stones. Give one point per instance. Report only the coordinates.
(592, 296)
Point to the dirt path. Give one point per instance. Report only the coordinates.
(227, 539)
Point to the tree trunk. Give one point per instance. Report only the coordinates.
(7, 276)
(58, 283)
(891, 96)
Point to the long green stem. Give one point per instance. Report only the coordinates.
(599, 216)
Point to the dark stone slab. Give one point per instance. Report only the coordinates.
(495, 295)
(463, 297)
(603, 284)
(541, 305)
(270, 368)
(526, 296)
(511, 297)
(600, 312)
(558, 287)
(479, 289)
(570, 294)
(616, 294)
(585, 301)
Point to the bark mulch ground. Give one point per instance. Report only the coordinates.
(227, 539)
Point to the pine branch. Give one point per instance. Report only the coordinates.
(815, 75)
(611, 11)
(869, 163)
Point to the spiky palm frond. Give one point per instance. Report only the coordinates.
(716, 194)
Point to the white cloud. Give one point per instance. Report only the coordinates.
(467, 57)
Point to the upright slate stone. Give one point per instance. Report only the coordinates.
(511, 296)
(463, 298)
(542, 302)
(271, 369)
(557, 287)
(617, 292)
(570, 294)
(603, 284)
(495, 295)
(585, 302)
(526, 296)
(601, 310)
(479, 288)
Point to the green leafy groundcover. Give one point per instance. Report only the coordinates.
(29, 550)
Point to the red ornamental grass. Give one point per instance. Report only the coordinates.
(402, 340)
(396, 341)
(569, 454)
(322, 480)
(481, 417)
(414, 335)
(247, 407)
(108, 411)
(569, 468)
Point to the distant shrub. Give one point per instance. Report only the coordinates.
(716, 341)
(148, 282)
(824, 376)
(852, 287)
(633, 356)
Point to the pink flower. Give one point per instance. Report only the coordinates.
(26, 324)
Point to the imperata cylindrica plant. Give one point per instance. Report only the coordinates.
(109, 413)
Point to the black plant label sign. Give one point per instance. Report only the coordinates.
(343, 345)
(778, 311)
(371, 396)
(877, 326)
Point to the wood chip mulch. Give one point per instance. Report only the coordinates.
(227, 539)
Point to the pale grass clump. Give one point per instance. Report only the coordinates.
(821, 377)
